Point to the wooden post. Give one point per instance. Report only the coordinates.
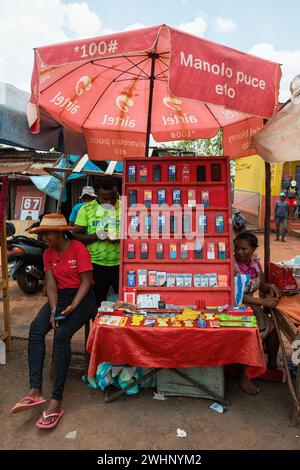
(267, 231)
(150, 103)
(296, 414)
(62, 187)
(6, 336)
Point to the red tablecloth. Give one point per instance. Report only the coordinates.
(176, 347)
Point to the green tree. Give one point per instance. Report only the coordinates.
(201, 147)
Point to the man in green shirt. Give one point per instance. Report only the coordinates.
(97, 225)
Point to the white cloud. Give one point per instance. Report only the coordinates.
(134, 26)
(224, 25)
(81, 20)
(198, 26)
(32, 23)
(290, 61)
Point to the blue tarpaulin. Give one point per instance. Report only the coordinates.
(51, 185)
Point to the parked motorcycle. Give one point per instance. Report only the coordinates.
(25, 260)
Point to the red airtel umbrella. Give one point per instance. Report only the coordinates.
(112, 92)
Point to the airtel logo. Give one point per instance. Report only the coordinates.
(83, 84)
(172, 103)
(124, 102)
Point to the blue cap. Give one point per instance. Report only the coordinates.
(282, 194)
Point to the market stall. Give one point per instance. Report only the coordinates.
(117, 91)
(176, 251)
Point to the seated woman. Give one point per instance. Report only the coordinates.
(68, 271)
(246, 262)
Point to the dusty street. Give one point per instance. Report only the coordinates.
(261, 422)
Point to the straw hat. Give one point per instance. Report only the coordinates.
(52, 223)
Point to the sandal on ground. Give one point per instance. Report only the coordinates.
(21, 406)
(272, 375)
(58, 415)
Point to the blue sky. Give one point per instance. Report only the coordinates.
(257, 21)
(269, 29)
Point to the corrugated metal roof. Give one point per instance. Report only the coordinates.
(23, 168)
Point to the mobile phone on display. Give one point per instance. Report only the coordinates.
(157, 173)
(201, 173)
(132, 197)
(143, 174)
(176, 196)
(172, 173)
(161, 197)
(132, 173)
(216, 172)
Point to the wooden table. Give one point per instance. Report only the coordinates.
(292, 334)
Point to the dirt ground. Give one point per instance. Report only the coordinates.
(140, 422)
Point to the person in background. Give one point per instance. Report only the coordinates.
(88, 194)
(245, 245)
(97, 226)
(292, 195)
(281, 217)
(68, 269)
(238, 222)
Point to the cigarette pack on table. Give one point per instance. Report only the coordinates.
(245, 311)
(201, 323)
(149, 322)
(129, 304)
(188, 323)
(175, 323)
(162, 322)
(137, 320)
(236, 318)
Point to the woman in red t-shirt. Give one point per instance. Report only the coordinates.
(71, 303)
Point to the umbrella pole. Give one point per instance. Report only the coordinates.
(62, 187)
(267, 232)
(152, 78)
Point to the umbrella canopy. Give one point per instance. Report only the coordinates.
(114, 91)
(279, 140)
